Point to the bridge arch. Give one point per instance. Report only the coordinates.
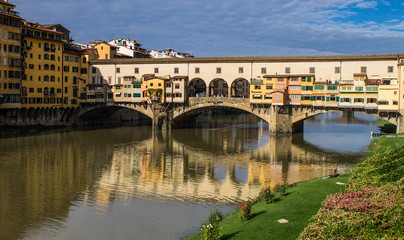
(218, 87)
(200, 105)
(197, 88)
(240, 88)
(98, 113)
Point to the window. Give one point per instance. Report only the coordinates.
(257, 87)
(263, 70)
(94, 70)
(319, 87)
(277, 96)
(118, 70)
(359, 89)
(66, 69)
(218, 70)
(240, 70)
(268, 87)
(176, 70)
(337, 70)
(390, 69)
(312, 70)
(136, 70)
(295, 79)
(363, 69)
(39, 90)
(197, 70)
(280, 79)
(156, 70)
(287, 69)
(75, 69)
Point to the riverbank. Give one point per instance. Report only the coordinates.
(303, 201)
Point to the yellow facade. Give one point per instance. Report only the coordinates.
(154, 88)
(258, 90)
(75, 77)
(10, 56)
(307, 90)
(106, 51)
(42, 84)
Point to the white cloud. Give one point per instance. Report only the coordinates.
(366, 4)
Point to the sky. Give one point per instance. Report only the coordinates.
(212, 28)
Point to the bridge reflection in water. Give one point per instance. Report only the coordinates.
(56, 185)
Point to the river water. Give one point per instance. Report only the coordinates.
(131, 183)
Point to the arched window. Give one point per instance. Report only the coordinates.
(52, 78)
(46, 78)
(46, 56)
(53, 58)
(46, 67)
(46, 91)
(52, 67)
(84, 60)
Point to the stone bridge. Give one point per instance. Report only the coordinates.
(280, 119)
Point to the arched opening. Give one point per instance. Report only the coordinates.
(218, 88)
(197, 88)
(240, 88)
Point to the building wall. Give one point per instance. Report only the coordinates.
(10, 61)
(44, 72)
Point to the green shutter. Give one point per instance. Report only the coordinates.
(337, 99)
(302, 98)
(328, 99)
(323, 98)
(312, 98)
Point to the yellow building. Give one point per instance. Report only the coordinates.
(319, 93)
(10, 56)
(106, 50)
(75, 75)
(307, 96)
(155, 88)
(42, 84)
(261, 90)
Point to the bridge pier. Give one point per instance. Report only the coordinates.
(281, 122)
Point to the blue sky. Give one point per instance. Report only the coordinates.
(212, 28)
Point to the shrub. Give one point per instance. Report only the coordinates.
(375, 213)
(215, 216)
(379, 169)
(281, 189)
(211, 231)
(245, 210)
(267, 195)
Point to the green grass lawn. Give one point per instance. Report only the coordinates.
(301, 203)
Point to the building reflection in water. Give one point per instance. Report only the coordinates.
(43, 177)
